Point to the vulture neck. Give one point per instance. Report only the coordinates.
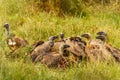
(51, 43)
(7, 32)
(88, 41)
(61, 50)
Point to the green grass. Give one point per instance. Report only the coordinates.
(34, 25)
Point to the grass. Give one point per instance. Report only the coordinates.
(34, 25)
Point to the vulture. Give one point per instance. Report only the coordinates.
(53, 59)
(40, 42)
(42, 49)
(95, 49)
(58, 43)
(76, 46)
(36, 44)
(87, 38)
(14, 42)
(102, 36)
(115, 52)
(62, 37)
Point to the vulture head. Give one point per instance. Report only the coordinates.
(61, 36)
(101, 33)
(102, 38)
(51, 40)
(86, 35)
(62, 48)
(6, 26)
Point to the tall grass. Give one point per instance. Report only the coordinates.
(28, 22)
(18, 70)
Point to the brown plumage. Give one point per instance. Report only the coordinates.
(76, 46)
(75, 42)
(55, 59)
(89, 48)
(42, 49)
(36, 44)
(40, 42)
(96, 50)
(13, 42)
(57, 44)
(115, 52)
(87, 39)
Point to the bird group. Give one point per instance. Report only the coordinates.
(66, 51)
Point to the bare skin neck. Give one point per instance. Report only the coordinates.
(61, 50)
(51, 43)
(7, 32)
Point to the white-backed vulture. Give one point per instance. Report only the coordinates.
(115, 52)
(14, 42)
(76, 46)
(43, 49)
(95, 49)
(55, 59)
(57, 44)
